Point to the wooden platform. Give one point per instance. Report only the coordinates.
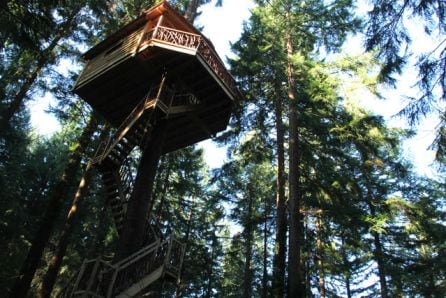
(123, 68)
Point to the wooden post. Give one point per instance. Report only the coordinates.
(141, 201)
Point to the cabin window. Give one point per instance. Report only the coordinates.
(113, 48)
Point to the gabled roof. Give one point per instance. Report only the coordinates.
(162, 8)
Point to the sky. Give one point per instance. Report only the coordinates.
(221, 32)
(223, 25)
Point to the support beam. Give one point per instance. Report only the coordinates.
(140, 202)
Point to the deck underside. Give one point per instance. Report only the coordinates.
(116, 91)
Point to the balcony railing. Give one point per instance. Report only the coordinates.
(197, 43)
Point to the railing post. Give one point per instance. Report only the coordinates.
(93, 274)
(167, 258)
(112, 283)
(157, 26)
(79, 277)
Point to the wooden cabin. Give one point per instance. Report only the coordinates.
(120, 71)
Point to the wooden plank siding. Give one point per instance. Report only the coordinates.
(113, 56)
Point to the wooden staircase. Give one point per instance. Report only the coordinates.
(157, 259)
(130, 276)
(113, 157)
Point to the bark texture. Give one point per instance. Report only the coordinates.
(58, 194)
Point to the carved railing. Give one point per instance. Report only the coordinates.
(197, 43)
(209, 55)
(175, 37)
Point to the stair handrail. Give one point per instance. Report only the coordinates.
(148, 251)
(87, 281)
(125, 126)
(146, 102)
(92, 277)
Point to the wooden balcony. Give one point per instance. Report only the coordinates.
(192, 44)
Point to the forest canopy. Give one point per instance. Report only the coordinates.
(314, 198)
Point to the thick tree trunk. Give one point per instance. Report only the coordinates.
(281, 223)
(46, 287)
(58, 194)
(296, 283)
(141, 201)
(248, 230)
(44, 58)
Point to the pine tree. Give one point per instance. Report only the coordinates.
(387, 32)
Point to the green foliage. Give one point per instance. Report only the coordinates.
(387, 32)
(376, 215)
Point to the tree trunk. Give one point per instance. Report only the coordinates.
(191, 11)
(265, 253)
(43, 59)
(248, 230)
(211, 268)
(181, 286)
(46, 287)
(348, 287)
(381, 269)
(378, 252)
(165, 187)
(296, 286)
(320, 260)
(141, 201)
(23, 282)
(281, 224)
(346, 264)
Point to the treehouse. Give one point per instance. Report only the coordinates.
(160, 83)
(160, 55)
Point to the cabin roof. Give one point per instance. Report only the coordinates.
(162, 8)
